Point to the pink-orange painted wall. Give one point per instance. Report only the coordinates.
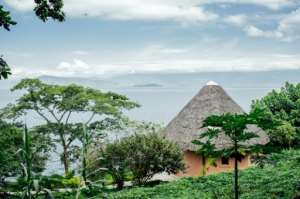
(194, 165)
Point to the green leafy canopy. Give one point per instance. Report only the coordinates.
(282, 106)
(58, 104)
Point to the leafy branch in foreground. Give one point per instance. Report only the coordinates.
(4, 69)
(5, 19)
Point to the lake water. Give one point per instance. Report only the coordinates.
(162, 96)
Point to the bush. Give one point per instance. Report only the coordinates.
(150, 154)
(142, 155)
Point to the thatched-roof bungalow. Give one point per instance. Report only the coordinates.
(186, 126)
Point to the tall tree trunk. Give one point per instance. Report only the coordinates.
(65, 154)
(66, 160)
(27, 162)
(236, 173)
(84, 155)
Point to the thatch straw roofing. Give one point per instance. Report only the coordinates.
(210, 100)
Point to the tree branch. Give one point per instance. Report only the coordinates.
(52, 113)
(68, 117)
(90, 119)
(41, 114)
(62, 116)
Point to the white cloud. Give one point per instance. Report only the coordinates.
(287, 30)
(238, 20)
(22, 5)
(253, 31)
(289, 26)
(73, 68)
(158, 58)
(271, 4)
(176, 10)
(244, 63)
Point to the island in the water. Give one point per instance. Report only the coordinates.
(148, 85)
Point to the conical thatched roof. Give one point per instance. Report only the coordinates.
(210, 100)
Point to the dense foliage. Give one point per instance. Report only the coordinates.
(279, 181)
(284, 106)
(143, 155)
(11, 141)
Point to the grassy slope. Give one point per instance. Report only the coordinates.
(279, 181)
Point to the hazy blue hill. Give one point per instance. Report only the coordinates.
(266, 79)
(254, 80)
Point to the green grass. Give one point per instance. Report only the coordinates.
(278, 181)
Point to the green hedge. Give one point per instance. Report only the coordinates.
(279, 181)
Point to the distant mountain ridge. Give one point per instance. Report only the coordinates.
(265, 79)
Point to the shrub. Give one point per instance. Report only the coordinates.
(150, 154)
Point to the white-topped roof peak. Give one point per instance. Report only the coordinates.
(212, 83)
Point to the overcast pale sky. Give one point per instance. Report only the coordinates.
(125, 36)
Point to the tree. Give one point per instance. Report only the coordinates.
(44, 10)
(56, 104)
(234, 126)
(11, 141)
(284, 106)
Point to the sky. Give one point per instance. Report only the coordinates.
(106, 37)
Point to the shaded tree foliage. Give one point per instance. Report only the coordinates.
(11, 141)
(284, 106)
(57, 105)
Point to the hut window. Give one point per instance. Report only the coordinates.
(225, 160)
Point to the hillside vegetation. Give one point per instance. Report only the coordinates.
(279, 178)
